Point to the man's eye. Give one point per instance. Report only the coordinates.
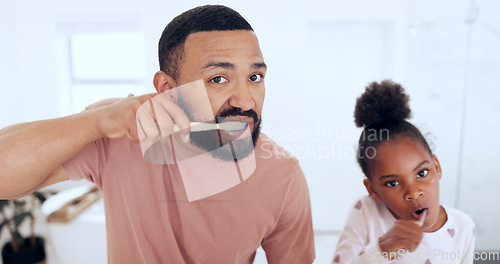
(256, 78)
(219, 79)
(422, 173)
(391, 183)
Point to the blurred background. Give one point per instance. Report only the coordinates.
(58, 56)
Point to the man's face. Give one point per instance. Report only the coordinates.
(232, 68)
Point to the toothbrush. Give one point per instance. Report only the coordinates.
(422, 219)
(200, 126)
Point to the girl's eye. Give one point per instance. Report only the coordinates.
(256, 77)
(219, 79)
(391, 184)
(422, 173)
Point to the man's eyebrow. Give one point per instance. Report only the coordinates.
(224, 65)
(420, 165)
(229, 65)
(259, 65)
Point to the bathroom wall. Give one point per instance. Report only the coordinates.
(454, 58)
(320, 55)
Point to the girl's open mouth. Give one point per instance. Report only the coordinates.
(419, 213)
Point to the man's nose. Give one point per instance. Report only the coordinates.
(241, 97)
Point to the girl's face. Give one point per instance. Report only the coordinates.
(406, 177)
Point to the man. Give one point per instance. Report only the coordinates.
(158, 213)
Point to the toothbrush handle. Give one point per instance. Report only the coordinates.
(197, 127)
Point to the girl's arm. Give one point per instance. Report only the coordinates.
(354, 245)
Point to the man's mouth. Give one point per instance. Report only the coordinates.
(241, 133)
(419, 213)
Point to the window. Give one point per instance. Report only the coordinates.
(104, 65)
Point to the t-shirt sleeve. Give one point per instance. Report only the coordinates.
(470, 229)
(88, 163)
(292, 240)
(354, 246)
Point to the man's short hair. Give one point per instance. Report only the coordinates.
(198, 19)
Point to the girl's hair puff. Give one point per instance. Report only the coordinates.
(382, 111)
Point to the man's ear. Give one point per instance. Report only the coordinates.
(371, 191)
(438, 167)
(163, 82)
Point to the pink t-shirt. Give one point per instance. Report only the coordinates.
(149, 218)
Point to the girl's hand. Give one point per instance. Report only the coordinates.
(404, 236)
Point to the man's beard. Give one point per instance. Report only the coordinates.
(220, 147)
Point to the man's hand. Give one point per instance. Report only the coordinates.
(403, 235)
(156, 119)
(117, 117)
(142, 118)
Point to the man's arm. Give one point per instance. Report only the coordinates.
(31, 154)
(56, 176)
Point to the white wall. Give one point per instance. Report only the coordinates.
(320, 55)
(8, 67)
(453, 67)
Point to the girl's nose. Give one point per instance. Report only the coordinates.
(413, 194)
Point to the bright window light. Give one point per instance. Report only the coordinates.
(105, 65)
(117, 55)
(85, 95)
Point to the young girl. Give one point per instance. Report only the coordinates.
(401, 220)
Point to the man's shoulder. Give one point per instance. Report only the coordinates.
(268, 149)
(275, 162)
